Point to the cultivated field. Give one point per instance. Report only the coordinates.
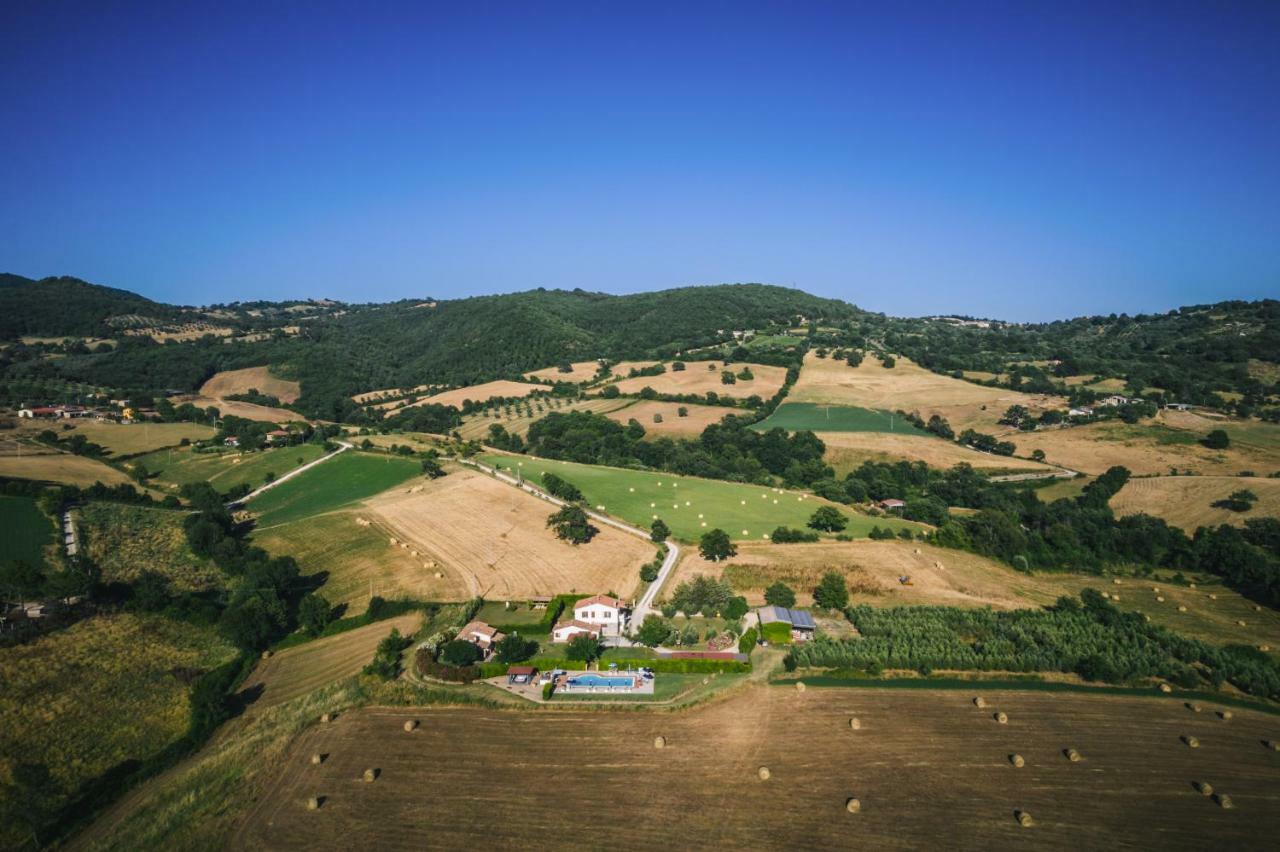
(27, 531)
(62, 468)
(799, 416)
(225, 469)
(231, 382)
(697, 379)
(341, 481)
(377, 395)
(517, 422)
(1185, 501)
(126, 540)
(125, 439)
(910, 388)
(698, 418)
(1169, 441)
(296, 671)
(583, 371)
(247, 410)
(924, 765)
(105, 690)
(690, 506)
(847, 450)
(480, 393)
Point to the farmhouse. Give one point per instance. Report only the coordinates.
(1116, 399)
(481, 635)
(893, 504)
(65, 411)
(564, 631)
(1082, 411)
(1179, 406)
(799, 620)
(607, 613)
(278, 435)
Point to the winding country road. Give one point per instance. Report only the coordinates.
(645, 604)
(343, 446)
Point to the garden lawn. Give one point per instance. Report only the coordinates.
(816, 417)
(350, 477)
(690, 506)
(27, 530)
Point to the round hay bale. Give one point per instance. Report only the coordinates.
(1115, 597)
(1002, 718)
(370, 775)
(1242, 623)
(1257, 608)
(1116, 581)
(853, 806)
(1224, 801)
(1072, 755)
(1224, 715)
(1213, 597)
(1204, 788)
(317, 759)
(410, 725)
(1024, 819)
(1191, 741)
(855, 724)
(659, 742)
(799, 686)
(266, 655)
(1274, 745)
(1155, 589)
(1017, 760)
(313, 804)
(1164, 687)
(764, 773)
(1191, 585)
(1159, 599)
(1193, 707)
(326, 717)
(979, 701)
(1182, 609)
(706, 680)
(1264, 647)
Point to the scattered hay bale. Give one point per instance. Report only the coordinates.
(439, 575)
(764, 773)
(979, 701)
(266, 655)
(1182, 609)
(1274, 745)
(1224, 715)
(364, 522)
(799, 686)
(1155, 589)
(1257, 608)
(1115, 597)
(853, 806)
(1002, 718)
(1159, 599)
(1264, 647)
(370, 775)
(410, 725)
(326, 717)
(1224, 801)
(1024, 819)
(317, 759)
(1193, 707)
(917, 551)
(855, 723)
(1242, 623)
(1191, 741)
(659, 742)
(1204, 788)
(1213, 597)
(1116, 581)
(313, 804)
(1164, 687)
(1191, 585)
(1017, 760)
(1072, 755)
(393, 541)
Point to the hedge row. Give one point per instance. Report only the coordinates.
(548, 621)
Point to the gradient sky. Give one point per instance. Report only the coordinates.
(1026, 160)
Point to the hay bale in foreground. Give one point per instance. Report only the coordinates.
(1204, 788)
(1224, 715)
(1002, 718)
(1164, 687)
(1224, 801)
(1024, 819)
(370, 775)
(313, 804)
(1017, 760)
(1193, 707)
(1274, 745)
(410, 725)
(799, 686)
(979, 702)
(853, 806)
(1182, 609)
(317, 759)
(326, 717)
(764, 773)
(266, 655)
(855, 723)
(659, 742)
(1192, 742)
(1072, 755)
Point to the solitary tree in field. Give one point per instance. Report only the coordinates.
(659, 532)
(715, 545)
(889, 362)
(571, 524)
(728, 378)
(828, 519)
(1217, 440)
(832, 592)
(682, 412)
(780, 594)
(1037, 455)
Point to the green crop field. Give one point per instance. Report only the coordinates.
(689, 505)
(225, 470)
(27, 531)
(798, 416)
(346, 479)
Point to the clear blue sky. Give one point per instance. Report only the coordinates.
(1028, 160)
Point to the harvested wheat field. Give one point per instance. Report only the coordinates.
(872, 568)
(518, 421)
(231, 382)
(583, 371)
(490, 539)
(305, 668)
(909, 387)
(847, 450)
(697, 379)
(386, 393)
(247, 410)
(480, 393)
(1186, 501)
(61, 467)
(923, 765)
(696, 419)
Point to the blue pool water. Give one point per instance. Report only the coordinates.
(592, 679)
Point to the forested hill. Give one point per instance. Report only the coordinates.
(57, 307)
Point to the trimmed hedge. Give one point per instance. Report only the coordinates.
(557, 605)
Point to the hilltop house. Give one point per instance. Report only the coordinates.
(565, 631)
(1082, 411)
(607, 613)
(1116, 399)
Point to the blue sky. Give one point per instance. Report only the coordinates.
(1021, 160)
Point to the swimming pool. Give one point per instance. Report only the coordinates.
(598, 680)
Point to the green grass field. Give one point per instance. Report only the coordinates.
(27, 531)
(346, 479)
(225, 470)
(797, 416)
(126, 540)
(690, 506)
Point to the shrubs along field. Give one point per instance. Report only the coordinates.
(27, 531)
(690, 506)
(696, 378)
(847, 450)
(516, 417)
(225, 469)
(816, 417)
(1132, 784)
(663, 419)
(1188, 501)
(106, 690)
(124, 540)
(349, 478)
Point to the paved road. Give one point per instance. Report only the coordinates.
(343, 446)
(643, 606)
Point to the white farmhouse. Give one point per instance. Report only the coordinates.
(565, 631)
(602, 611)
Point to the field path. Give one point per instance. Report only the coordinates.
(343, 446)
(645, 603)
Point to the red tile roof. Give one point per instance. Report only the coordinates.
(599, 599)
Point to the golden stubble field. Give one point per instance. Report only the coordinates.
(698, 417)
(1186, 501)
(928, 768)
(909, 387)
(475, 393)
(697, 379)
(847, 450)
(231, 382)
(60, 467)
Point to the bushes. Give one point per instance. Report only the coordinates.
(559, 487)
(747, 642)
(430, 667)
(386, 659)
(787, 535)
